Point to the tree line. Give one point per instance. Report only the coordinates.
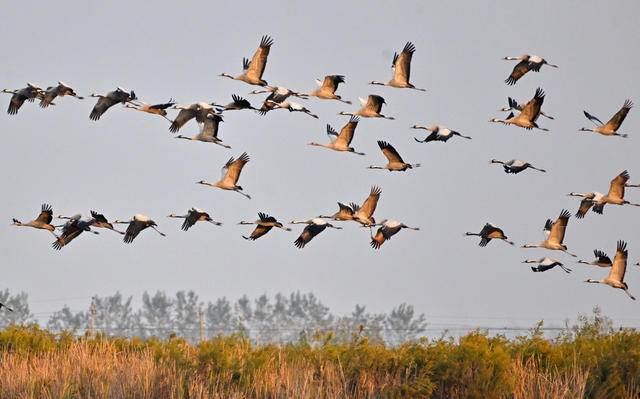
(278, 319)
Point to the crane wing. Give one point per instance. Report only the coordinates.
(619, 262)
(347, 132)
(618, 118)
(519, 70)
(389, 152)
(531, 111)
(402, 64)
(601, 257)
(592, 118)
(616, 189)
(259, 60)
(234, 167)
(585, 205)
(370, 203)
(558, 228)
(184, 116)
(46, 214)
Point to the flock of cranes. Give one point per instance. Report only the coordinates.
(209, 115)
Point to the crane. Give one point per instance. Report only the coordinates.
(136, 225)
(615, 195)
(527, 118)
(341, 142)
(198, 110)
(100, 221)
(73, 228)
(237, 104)
(328, 88)
(388, 228)
(62, 89)
(515, 166)
(208, 131)
(194, 215)
(546, 264)
(156, 109)
(43, 221)
(555, 234)
(513, 105)
(364, 214)
(19, 96)
(616, 275)
(231, 171)
(314, 227)
(106, 101)
(489, 232)
(602, 259)
(371, 109)
(252, 71)
(438, 133)
(395, 160)
(401, 66)
(610, 128)
(345, 212)
(263, 225)
(589, 200)
(527, 63)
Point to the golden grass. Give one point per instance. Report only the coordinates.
(103, 370)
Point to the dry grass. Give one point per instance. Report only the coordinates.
(101, 370)
(534, 383)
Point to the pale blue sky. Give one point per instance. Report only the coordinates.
(129, 163)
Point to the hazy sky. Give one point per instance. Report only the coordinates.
(129, 163)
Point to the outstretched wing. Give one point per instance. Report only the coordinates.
(585, 205)
(46, 214)
(103, 104)
(592, 118)
(235, 167)
(374, 103)
(184, 116)
(616, 189)
(532, 109)
(347, 132)
(331, 82)
(259, 60)
(601, 257)
(618, 118)
(402, 64)
(389, 152)
(371, 202)
(559, 227)
(619, 262)
(165, 105)
(519, 70)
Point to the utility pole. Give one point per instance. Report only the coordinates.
(201, 326)
(93, 319)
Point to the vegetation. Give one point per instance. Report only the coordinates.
(281, 319)
(588, 360)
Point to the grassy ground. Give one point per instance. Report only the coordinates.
(588, 361)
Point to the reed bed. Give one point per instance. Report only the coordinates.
(589, 364)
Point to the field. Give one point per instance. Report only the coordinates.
(589, 360)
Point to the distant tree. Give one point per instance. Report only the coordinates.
(346, 326)
(114, 315)
(19, 304)
(219, 318)
(401, 326)
(155, 316)
(294, 318)
(244, 315)
(186, 319)
(66, 320)
(261, 324)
